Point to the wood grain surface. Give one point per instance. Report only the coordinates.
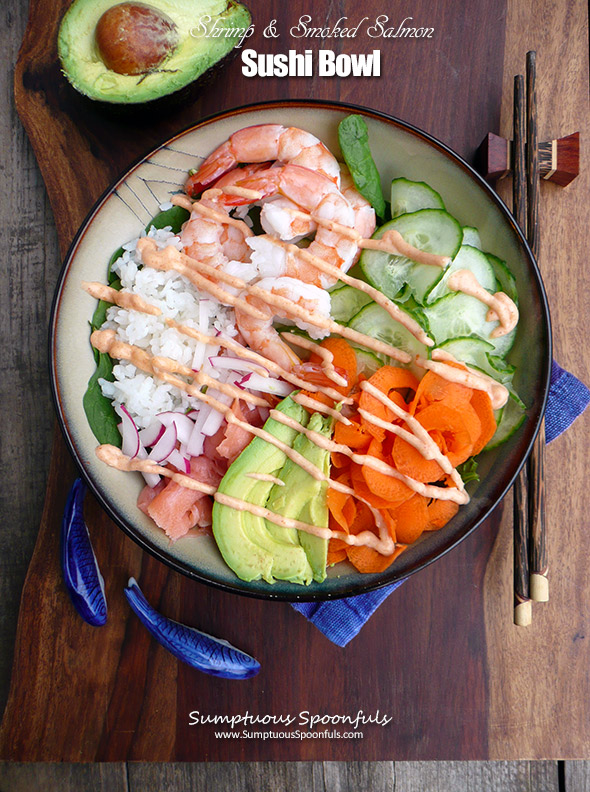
(308, 776)
(538, 677)
(135, 697)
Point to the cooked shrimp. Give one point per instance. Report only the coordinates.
(281, 217)
(261, 336)
(317, 195)
(364, 214)
(201, 235)
(269, 142)
(206, 237)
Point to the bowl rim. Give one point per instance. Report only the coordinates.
(239, 586)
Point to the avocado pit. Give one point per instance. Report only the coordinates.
(133, 38)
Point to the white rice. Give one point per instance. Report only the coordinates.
(144, 396)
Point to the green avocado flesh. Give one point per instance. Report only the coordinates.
(304, 498)
(255, 548)
(194, 54)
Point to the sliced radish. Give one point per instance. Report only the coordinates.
(179, 461)
(213, 423)
(210, 351)
(199, 356)
(266, 385)
(151, 479)
(184, 424)
(129, 432)
(151, 434)
(237, 364)
(196, 441)
(165, 445)
(216, 418)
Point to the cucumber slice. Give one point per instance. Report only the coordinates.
(367, 363)
(479, 353)
(432, 230)
(404, 295)
(504, 276)
(469, 258)
(410, 196)
(471, 237)
(511, 419)
(504, 370)
(347, 301)
(503, 344)
(374, 321)
(457, 315)
(416, 310)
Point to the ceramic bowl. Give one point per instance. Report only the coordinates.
(124, 210)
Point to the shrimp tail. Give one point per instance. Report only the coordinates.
(262, 184)
(219, 162)
(269, 142)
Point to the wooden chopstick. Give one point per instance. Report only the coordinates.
(538, 581)
(522, 602)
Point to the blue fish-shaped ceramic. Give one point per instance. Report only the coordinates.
(80, 569)
(210, 655)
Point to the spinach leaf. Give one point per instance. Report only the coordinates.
(173, 217)
(354, 144)
(99, 410)
(113, 279)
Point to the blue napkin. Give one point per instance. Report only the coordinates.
(340, 620)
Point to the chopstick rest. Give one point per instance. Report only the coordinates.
(80, 570)
(559, 159)
(201, 651)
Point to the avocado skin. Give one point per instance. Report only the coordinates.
(246, 544)
(159, 90)
(304, 498)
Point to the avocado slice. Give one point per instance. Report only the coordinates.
(304, 498)
(244, 540)
(192, 51)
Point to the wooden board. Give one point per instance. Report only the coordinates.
(454, 617)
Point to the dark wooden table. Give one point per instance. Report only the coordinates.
(504, 690)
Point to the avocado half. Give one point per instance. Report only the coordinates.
(193, 55)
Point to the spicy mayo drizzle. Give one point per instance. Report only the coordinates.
(123, 299)
(249, 354)
(392, 242)
(418, 437)
(170, 258)
(325, 354)
(114, 457)
(384, 545)
(164, 368)
(329, 269)
(438, 493)
(502, 308)
(477, 380)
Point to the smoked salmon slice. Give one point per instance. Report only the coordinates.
(176, 509)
